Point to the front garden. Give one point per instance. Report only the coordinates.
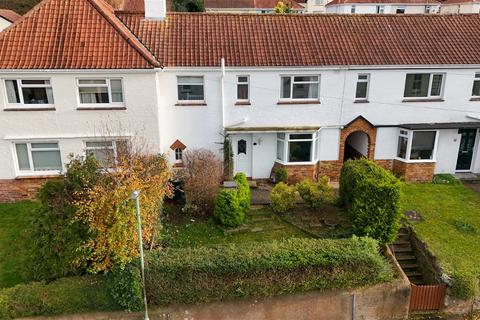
(213, 246)
(450, 225)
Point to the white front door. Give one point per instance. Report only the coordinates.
(242, 153)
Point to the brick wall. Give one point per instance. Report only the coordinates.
(414, 171)
(20, 189)
(385, 163)
(362, 125)
(299, 172)
(330, 169)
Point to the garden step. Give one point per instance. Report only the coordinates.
(256, 230)
(260, 218)
(399, 242)
(409, 265)
(316, 225)
(413, 274)
(405, 248)
(403, 257)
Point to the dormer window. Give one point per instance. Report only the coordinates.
(29, 91)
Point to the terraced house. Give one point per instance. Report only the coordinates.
(304, 92)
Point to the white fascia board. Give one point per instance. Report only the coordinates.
(325, 68)
(120, 71)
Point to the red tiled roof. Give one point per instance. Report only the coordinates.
(400, 2)
(246, 4)
(75, 34)
(447, 2)
(200, 40)
(9, 15)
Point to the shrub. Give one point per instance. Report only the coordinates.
(55, 235)
(243, 189)
(280, 175)
(125, 286)
(316, 194)
(372, 198)
(202, 175)
(257, 269)
(63, 296)
(464, 285)
(444, 178)
(282, 198)
(228, 208)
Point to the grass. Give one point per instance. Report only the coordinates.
(14, 218)
(450, 223)
(193, 232)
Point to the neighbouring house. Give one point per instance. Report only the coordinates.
(248, 6)
(304, 92)
(7, 17)
(383, 6)
(460, 6)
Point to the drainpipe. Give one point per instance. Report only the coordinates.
(353, 306)
(222, 64)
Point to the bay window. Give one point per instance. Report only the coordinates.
(424, 85)
(93, 91)
(299, 87)
(38, 157)
(295, 147)
(29, 91)
(416, 145)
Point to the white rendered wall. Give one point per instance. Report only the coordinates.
(386, 143)
(372, 8)
(4, 23)
(447, 151)
(71, 127)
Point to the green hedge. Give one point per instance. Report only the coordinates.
(63, 296)
(262, 269)
(228, 209)
(282, 198)
(372, 196)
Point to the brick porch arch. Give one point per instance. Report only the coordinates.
(359, 124)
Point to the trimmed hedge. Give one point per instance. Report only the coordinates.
(125, 286)
(243, 189)
(228, 209)
(372, 196)
(262, 269)
(316, 193)
(63, 296)
(282, 198)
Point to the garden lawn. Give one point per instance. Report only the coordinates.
(260, 225)
(450, 224)
(14, 218)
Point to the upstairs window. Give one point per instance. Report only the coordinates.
(93, 91)
(424, 85)
(30, 92)
(242, 88)
(299, 87)
(190, 89)
(38, 157)
(380, 9)
(416, 145)
(361, 93)
(353, 9)
(476, 86)
(400, 10)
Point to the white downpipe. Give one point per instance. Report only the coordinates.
(222, 63)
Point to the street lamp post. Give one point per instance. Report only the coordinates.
(136, 196)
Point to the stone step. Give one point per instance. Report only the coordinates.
(409, 265)
(404, 257)
(261, 218)
(403, 249)
(413, 274)
(400, 242)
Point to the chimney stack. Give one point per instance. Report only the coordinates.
(155, 10)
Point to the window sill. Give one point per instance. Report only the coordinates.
(101, 108)
(178, 165)
(30, 109)
(415, 161)
(242, 103)
(423, 100)
(190, 104)
(298, 102)
(311, 163)
(361, 101)
(38, 176)
(475, 99)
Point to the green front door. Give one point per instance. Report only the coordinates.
(465, 152)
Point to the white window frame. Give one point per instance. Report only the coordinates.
(22, 103)
(400, 8)
(409, 136)
(113, 147)
(32, 171)
(353, 9)
(292, 77)
(191, 101)
(177, 152)
(476, 78)
(380, 9)
(242, 83)
(107, 85)
(430, 80)
(286, 146)
(367, 80)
